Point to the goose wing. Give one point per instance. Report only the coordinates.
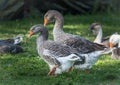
(58, 50)
(52, 51)
(83, 45)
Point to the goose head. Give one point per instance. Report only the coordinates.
(37, 29)
(18, 39)
(95, 28)
(51, 16)
(114, 39)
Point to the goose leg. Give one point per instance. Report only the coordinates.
(52, 71)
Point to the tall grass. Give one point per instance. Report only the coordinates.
(28, 68)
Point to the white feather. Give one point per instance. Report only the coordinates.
(90, 60)
(65, 61)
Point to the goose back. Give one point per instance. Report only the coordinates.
(82, 45)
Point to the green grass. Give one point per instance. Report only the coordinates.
(28, 69)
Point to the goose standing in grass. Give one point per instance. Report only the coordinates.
(11, 45)
(90, 50)
(96, 28)
(115, 39)
(59, 57)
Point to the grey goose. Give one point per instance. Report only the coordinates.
(90, 50)
(59, 57)
(11, 45)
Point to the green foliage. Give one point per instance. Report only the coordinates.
(28, 68)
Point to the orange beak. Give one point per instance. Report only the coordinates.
(111, 45)
(30, 33)
(45, 21)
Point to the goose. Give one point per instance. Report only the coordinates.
(59, 57)
(115, 39)
(90, 50)
(96, 28)
(11, 45)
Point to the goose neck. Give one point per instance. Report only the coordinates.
(59, 21)
(58, 27)
(98, 39)
(41, 39)
(40, 43)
